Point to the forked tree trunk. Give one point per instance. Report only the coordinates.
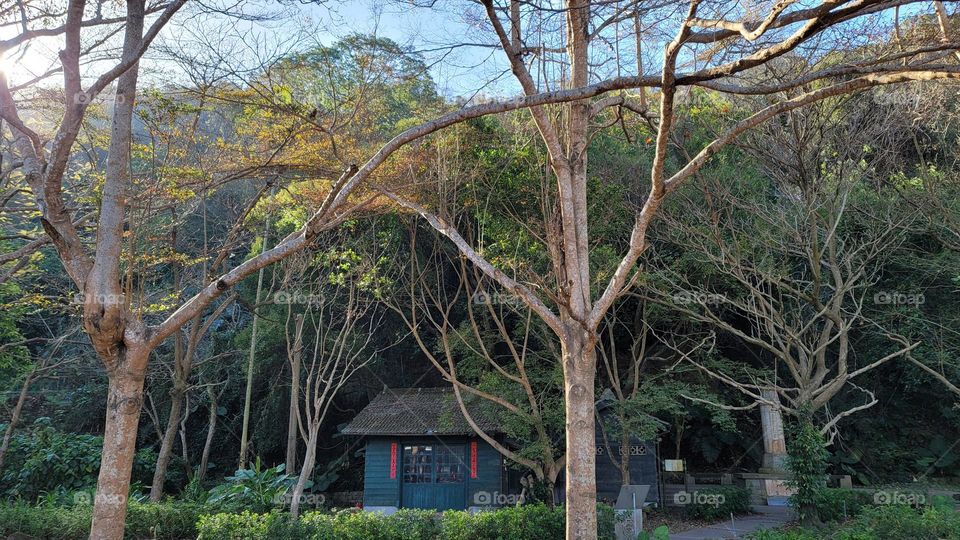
(124, 401)
(166, 445)
(579, 367)
(305, 472)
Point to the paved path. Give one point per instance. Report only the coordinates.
(766, 517)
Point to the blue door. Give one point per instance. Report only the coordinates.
(434, 477)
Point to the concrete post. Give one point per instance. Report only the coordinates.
(774, 440)
(774, 450)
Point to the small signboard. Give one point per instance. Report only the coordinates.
(631, 497)
(673, 465)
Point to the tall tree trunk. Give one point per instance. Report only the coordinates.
(292, 419)
(579, 366)
(248, 393)
(211, 429)
(166, 445)
(15, 417)
(124, 401)
(306, 472)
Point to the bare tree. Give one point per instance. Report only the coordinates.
(342, 320)
(435, 289)
(800, 285)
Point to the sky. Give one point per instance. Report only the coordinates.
(296, 25)
(241, 45)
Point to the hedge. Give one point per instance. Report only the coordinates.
(732, 500)
(167, 521)
(842, 504)
(178, 520)
(893, 522)
(533, 522)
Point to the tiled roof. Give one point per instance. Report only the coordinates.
(419, 411)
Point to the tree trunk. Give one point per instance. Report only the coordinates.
(292, 419)
(248, 394)
(211, 429)
(124, 401)
(166, 446)
(624, 451)
(184, 448)
(579, 366)
(305, 473)
(15, 417)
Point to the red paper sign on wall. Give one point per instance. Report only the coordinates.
(473, 459)
(393, 460)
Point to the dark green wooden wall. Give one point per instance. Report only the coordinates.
(380, 490)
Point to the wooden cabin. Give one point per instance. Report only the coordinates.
(422, 453)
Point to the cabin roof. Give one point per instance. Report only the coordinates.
(420, 411)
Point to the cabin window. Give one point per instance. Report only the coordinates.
(418, 464)
(450, 468)
(428, 464)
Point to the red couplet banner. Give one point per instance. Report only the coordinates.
(473, 459)
(393, 460)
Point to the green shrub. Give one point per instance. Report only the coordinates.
(808, 466)
(716, 503)
(895, 522)
(231, 526)
(161, 521)
(783, 534)
(533, 522)
(842, 504)
(42, 522)
(43, 460)
(891, 522)
(173, 520)
(258, 489)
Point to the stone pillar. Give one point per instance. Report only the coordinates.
(774, 451)
(774, 441)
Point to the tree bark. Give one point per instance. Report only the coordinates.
(624, 450)
(293, 417)
(305, 473)
(124, 401)
(211, 429)
(248, 393)
(15, 417)
(579, 366)
(166, 445)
